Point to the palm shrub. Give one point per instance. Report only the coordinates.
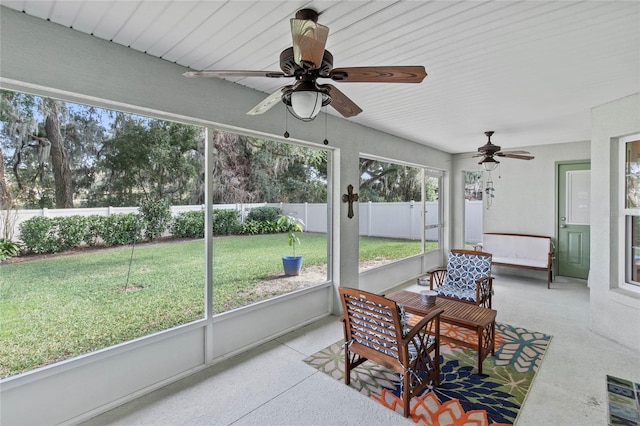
(8, 249)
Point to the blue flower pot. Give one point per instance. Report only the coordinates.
(292, 264)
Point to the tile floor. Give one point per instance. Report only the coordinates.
(270, 385)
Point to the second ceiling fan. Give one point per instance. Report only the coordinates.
(307, 61)
(488, 151)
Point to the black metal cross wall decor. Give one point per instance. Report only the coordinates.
(350, 197)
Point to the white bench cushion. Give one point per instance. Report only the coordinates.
(519, 248)
(530, 263)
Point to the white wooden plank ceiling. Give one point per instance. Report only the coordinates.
(529, 70)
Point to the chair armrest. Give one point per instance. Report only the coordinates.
(484, 290)
(480, 280)
(421, 325)
(437, 277)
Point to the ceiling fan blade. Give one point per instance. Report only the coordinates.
(342, 103)
(268, 102)
(513, 152)
(517, 156)
(235, 73)
(392, 74)
(309, 39)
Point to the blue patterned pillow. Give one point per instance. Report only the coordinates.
(464, 269)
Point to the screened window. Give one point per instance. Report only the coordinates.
(472, 208)
(432, 212)
(110, 233)
(400, 212)
(256, 184)
(107, 210)
(633, 249)
(632, 211)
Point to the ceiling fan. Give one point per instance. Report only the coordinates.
(306, 61)
(488, 151)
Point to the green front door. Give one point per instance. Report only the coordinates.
(574, 189)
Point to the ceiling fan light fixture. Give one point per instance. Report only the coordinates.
(306, 100)
(306, 105)
(489, 163)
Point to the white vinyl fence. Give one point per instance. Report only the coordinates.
(392, 220)
(473, 221)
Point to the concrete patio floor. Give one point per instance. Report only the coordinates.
(271, 385)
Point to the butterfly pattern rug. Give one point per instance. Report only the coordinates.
(463, 396)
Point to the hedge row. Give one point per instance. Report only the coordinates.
(52, 235)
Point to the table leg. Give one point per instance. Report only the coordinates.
(486, 343)
(480, 350)
(493, 338)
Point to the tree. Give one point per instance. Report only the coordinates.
(32, 133)
(390, 182)
(231, 169)
(18, 124)
(85, 133)
(258, 170)
(149, 159)
(473, 185)
(5, 195)
(58, 153)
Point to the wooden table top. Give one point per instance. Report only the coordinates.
(454, 311)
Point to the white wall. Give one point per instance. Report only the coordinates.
(615, 312)
(51, 60)
(525, 191)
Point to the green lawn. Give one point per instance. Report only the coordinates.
(54, 308)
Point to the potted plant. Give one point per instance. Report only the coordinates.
(291, 225)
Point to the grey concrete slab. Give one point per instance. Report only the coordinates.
(271, 385)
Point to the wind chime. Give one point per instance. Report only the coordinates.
(488, 191)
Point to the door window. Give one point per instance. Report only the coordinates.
(578, 199)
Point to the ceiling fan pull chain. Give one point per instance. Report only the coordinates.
(326, 141)
(286, 124)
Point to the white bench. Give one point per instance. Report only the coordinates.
(520, 251)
